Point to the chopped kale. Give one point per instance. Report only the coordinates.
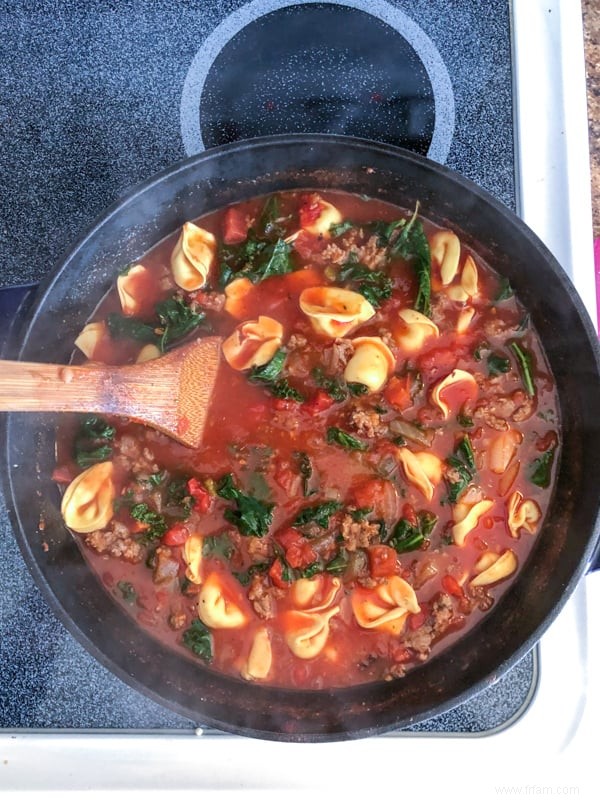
(156, 526)
(198, 639)
(92, 441)
(338, 228)
(374, 285)
(541, 469)
(525, 362)
(338, 564)
(345, 440)
(464, 421)
(311, 570)
(497, 364)
(406, 537)
(333, 386)
(505, 290)
(94, 427)
(320, 514)
(177, 320)
(218, 545)
(270, 222)
(412, 244)
(254, 569)
(269, 372)
(86, 458)
(128, 592)
(357, 389)
(121, 327)
(251, 516)
(463, 468)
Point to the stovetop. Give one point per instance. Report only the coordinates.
(98, 97)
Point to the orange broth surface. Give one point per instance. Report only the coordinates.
(326, 559)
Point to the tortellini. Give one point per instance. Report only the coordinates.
(466, 518)
(90, 337)
(522, 515)
(192, 555)
(260, 657)
(445, 250)
(502, 449)
(253, 343)
(465, 318)
(386, 606)
(219, 605)
(87, 503)
(306, 630)
(492, 567)
(130, 287)
(148, 353)
(320, 217)
(462, 386)
(371, 363)
(193, 257)
(422, 469)
(335, 312)
(414, 330)
(469, 282)
(236, 294)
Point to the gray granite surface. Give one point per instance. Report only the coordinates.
(90, 96)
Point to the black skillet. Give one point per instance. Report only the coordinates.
(564, 548)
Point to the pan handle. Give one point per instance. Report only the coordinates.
(14, 301)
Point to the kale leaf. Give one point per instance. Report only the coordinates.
(406, 537)
(374, 285)
(198, 639)
(345, 440)
(251, 516)
(320, 514)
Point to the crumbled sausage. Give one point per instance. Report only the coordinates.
(132, 456)
(367, 423)
(116, 541)
(176, 620)
(337, 355)
(358, 533)
(441, 616)
(263, 596)
(259, 549)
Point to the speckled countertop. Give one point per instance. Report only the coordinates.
(591, 22)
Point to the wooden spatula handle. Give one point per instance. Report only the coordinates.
(52, 387)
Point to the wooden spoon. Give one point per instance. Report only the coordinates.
(171, 393)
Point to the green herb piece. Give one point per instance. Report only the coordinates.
(412, 245)
(274, 260)
(385, 230)
(178, 496)
(156, 524)
(505, 290)
(541, 469)
(374, 285)
(306, 471)
(360, 513)
(345, 440)
(86, 458)
(464, 421)
(406, 537)
(284, 391)
(497, 365)
(357, 389)
(269, 372)
(226, 275)
(198, 639)
(463, 468)
(525, 362)
(311, 570)
(254, 569)
(94, 427)
(338, 228)
(338, 564)
(121, 327)
(128, 593)
(156, 479)
(252, 517)
(219, 545)
(320, 514)
(333, 386)
(177, 320)
(270, 220)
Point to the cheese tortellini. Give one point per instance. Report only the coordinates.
(130, 288)
(192, 554)
(90, 337)
(469, 282)
(253, 343)
(444, 246)
(306, 630)
(493, 567)
(371, 364)
(422, 469)
(260, 658)
(459, 382)
(335, 312)
(322, 215)
(87, 503)
(414, 330)
(219, 605)
(523, 515)
(193, 257)
(386, 606)
(466, 518)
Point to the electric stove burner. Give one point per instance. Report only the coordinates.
(356, 68)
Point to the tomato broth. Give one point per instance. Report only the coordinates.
(378, 459)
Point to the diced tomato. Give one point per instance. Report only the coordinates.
(310, 210)
(441, 359)
(377, 494)
(298, 550)
(382, 560)
(452, 586)
(398, 392)
(409, 514)
(176, 535)
(321, 401)
(63, 474)
(235, 226)
(276, 574)
(286, 477)
(202, 497)
(416, 620)
(281, 404)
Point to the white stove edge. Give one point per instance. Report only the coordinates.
(544, 752)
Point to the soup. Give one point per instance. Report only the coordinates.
(379, 454)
